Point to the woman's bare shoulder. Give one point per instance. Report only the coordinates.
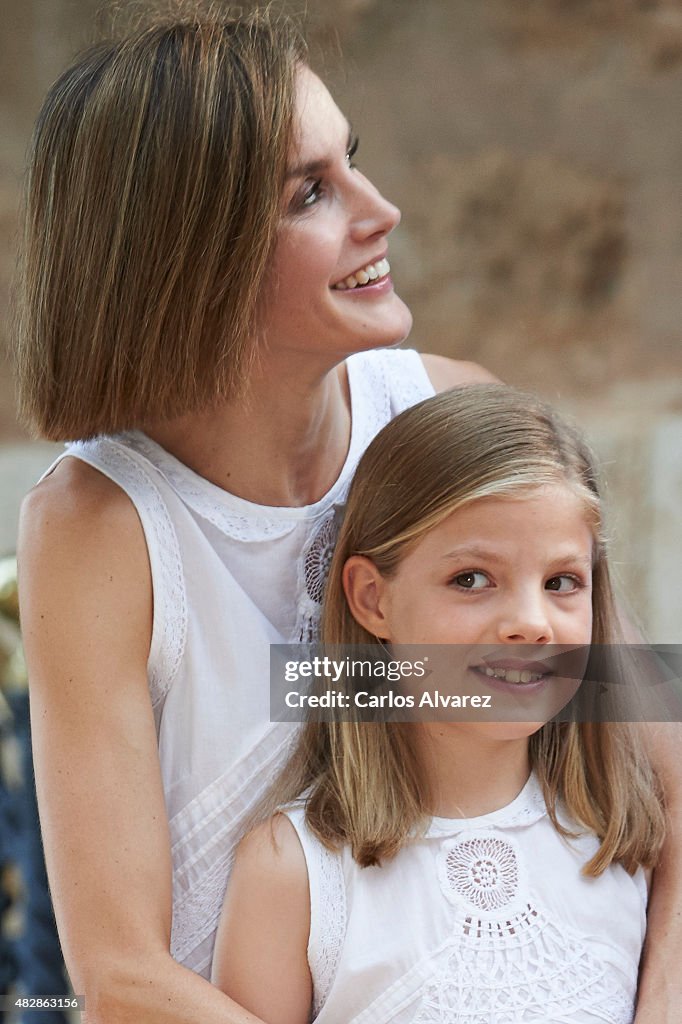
(81, 545)
(76, 506)
(447, 373)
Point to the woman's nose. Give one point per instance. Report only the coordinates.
(373, 214)
(525, 621)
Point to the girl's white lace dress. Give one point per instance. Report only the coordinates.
(483, 921)
(230, 578)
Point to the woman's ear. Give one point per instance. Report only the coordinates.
(364, 587)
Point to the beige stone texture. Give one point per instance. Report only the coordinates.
(535, 150)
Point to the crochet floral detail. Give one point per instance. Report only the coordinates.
(483, 871)
(317, 558)
(313, 570)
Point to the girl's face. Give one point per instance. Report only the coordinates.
(502, 577)
(334, 227)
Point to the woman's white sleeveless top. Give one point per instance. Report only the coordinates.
(483, 921)
(229, 578)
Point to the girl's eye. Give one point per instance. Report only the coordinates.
(563, 584)
(472, 580)
(352, 150)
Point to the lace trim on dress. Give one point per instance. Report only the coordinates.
(554, 978)
(505, 961)
(216, 818)
(517, 969)
(252, 524)
(527, 808)
(330, 915)
(327, 888)
(380, 382)
(245, 520)
(169, 631)
(412, 384)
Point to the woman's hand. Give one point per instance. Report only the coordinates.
(660, 986)
(86, 610)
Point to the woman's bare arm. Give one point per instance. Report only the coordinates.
(447, 373)
(660, 986)
(261, 949)
(86, 608)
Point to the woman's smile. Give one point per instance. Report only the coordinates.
(332, 291)
(373, 275)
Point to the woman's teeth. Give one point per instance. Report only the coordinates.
(512, 675)
(372, 272)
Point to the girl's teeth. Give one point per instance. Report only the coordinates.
(372, 272)
(512, 675)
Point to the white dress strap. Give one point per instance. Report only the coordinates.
(327, 908)
(142, 483)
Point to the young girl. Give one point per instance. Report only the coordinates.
(456, 871)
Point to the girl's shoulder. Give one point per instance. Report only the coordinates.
(266, 920)
(273, 850)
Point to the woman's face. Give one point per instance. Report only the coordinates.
(333, 232)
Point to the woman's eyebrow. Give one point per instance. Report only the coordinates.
(316, 166)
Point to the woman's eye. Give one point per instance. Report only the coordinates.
(563, 584)
(311, 194)
(471, 580)
(352, 150)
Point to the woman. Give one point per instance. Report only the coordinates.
(204, 264)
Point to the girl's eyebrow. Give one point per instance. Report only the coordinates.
(472, 551)
(315, 167)
(476, 551)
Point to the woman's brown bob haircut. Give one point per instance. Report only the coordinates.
(153, 199)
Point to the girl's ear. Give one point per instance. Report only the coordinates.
(364, 588)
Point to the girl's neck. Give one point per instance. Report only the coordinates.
(283, 443)
(470, 774)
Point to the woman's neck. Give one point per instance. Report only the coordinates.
(470, 774)
(283, 443)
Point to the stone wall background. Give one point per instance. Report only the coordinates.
(534, 147)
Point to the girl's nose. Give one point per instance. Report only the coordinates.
(525, 621)
(373, 215)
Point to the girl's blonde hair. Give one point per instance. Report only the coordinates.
(153, 200)
(364, 781)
